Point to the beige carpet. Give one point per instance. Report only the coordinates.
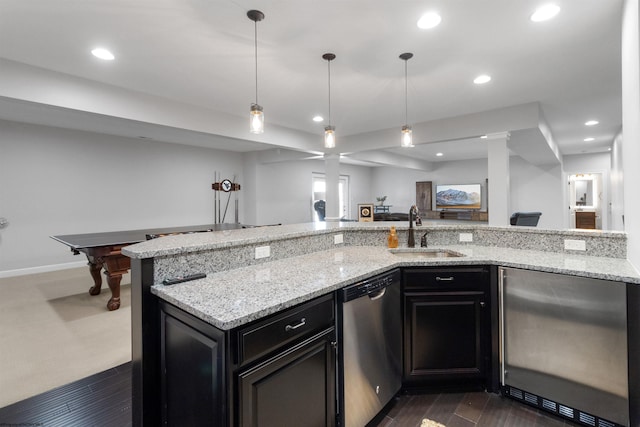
(52, 332)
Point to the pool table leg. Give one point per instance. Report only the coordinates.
(114, 284)
(94, 269)
(114, 264)
(112, 279)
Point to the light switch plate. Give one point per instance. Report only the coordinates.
(263, 252)
(337, 239)
(575, 245)
(466, 237)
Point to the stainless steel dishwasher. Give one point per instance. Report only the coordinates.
(370, 347)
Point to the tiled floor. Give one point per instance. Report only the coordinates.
(104, 400)
(466, 410)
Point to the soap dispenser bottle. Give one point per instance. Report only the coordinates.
(393, 238)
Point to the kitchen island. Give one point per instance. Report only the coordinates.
(232, 298)
(308, 261)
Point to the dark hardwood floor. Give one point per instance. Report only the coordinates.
(104, 400)
(101, 400)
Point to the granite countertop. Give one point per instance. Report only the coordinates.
(232, 298)
(172, 245)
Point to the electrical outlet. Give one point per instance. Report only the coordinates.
(263, 252)
(575, 245)
(466, 237)
(337, 239)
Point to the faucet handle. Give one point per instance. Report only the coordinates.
(423, 240)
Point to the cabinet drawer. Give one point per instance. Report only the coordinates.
(265, 336)
(449, 278)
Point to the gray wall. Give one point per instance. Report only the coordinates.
(56, 181)
(538, 189)
(284, 190)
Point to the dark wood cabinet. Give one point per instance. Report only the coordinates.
(193, 370)
(286, 373)
(586, 220)
(276, 371)
(456, 215)
(447, 327)
(296, 387)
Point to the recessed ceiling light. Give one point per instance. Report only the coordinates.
(103, 54)
(546, 12)
(589, 139)
(429, 20)
(484, 137)
(439, 154)
(482, 79)
(318, 119)
(591, 123)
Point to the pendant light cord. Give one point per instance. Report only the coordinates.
(406, 108)
(329, 69)
(255, 26)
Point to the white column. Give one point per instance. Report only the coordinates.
(332, 180)
(631, 127)
(498, 175)
(249, 195)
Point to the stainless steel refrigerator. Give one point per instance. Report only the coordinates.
(564, 345)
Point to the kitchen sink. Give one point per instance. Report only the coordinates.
(425, 253)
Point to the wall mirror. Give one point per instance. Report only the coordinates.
(584, 192)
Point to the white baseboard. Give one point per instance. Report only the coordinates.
(42, 269)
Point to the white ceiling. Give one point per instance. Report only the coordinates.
(201, 53)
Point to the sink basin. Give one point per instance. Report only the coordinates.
(425, 253)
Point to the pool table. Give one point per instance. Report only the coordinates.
(103, 252)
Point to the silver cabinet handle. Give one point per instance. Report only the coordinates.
(444, 279)
(288, 328)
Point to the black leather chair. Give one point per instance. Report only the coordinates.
(320, 207)
(525, 218)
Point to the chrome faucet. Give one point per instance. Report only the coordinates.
(423, 240)
(412, 238)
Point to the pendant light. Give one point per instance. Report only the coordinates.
(406, 137)
(329, 131)
(256, 116)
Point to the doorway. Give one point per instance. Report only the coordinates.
(586, 201)
(319, 195)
